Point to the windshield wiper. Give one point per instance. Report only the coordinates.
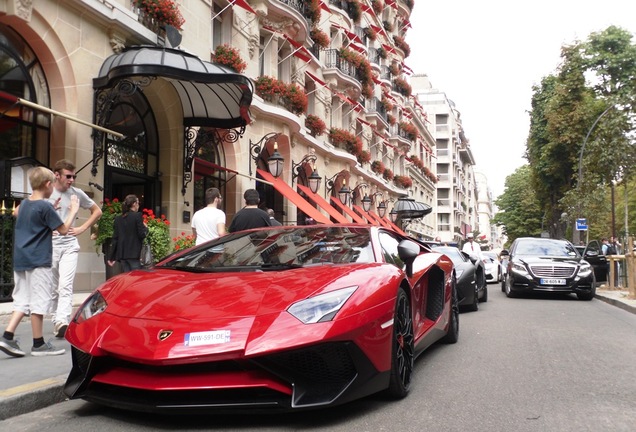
(278, 266)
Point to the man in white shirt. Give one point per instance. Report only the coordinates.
(470, 247)
(209, 222)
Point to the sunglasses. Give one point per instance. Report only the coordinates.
(71, 176)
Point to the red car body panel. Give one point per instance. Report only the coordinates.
(143, 332)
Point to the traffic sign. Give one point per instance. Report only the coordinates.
(581, 224)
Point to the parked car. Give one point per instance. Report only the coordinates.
(471, 280)
(279, 318)
(543, 264)
(492, 266)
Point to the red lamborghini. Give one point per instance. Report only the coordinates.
(282, 318)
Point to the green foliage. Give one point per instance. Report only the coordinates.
(520, 213)
(158, 234)
(581, 130)
(110, 210)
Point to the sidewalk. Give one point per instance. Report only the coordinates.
(31, 383)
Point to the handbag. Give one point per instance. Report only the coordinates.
(146, 257)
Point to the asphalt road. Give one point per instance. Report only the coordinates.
(530, 364)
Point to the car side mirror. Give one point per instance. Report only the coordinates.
(504, 253)
(591, 253)
(408, 250)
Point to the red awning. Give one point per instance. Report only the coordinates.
(351, 35)
(316, 79)
(300, 51)
(294, 197)
(364, 214)
(347, 210)
(323, 204)
(388, 48)
(395, 227)
(323, 5)
(379, 219)
(243, 4)
(392, 3)
(379, 30)
(364, 121)
(357, 48)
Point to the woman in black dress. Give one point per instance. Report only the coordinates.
(129, 233)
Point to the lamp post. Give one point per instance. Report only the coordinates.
(298, 169)
(575, 233)
(344, 193)
(381, 209)
(275, 162)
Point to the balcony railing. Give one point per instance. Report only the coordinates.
(300, 6)
(332, 59)
(376, 105)
(374, 56)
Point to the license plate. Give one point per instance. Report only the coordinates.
(552, 281)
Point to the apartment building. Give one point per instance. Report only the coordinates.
(309, 102)
(457, 196)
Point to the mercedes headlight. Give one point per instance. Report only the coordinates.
(585, 269)
(322, 307)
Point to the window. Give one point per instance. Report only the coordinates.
(389, 246)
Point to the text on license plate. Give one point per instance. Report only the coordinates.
(553, 281)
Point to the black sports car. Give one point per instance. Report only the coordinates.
(543, 264)
(471, 276)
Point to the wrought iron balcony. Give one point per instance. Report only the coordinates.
(333, 59)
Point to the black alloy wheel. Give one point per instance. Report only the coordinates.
(403, 355)
(452, 335)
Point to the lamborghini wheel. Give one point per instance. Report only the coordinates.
(403, 352)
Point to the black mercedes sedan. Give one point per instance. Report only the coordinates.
(547, 265)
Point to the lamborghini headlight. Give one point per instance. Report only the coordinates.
(93, 306)
(322, 307)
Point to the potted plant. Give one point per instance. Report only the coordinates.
(404, 182)
(377, 167)
(229, 56)
(183, 241)
(388, 174)
(403, 87)
(315, 124)
(162, 12)
(295, 99)
(378, 6)
(370, 33)
(158, 234)
(320, 38)
(400, 42)
(104, 227)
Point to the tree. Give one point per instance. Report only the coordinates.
(520, 212)
(589, 102)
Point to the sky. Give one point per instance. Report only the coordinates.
(487, 55)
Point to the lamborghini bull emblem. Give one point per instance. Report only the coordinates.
(164, 334)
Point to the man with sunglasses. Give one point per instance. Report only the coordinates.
(66, 247)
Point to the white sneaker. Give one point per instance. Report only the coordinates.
(59, 330)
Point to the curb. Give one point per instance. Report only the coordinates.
(31, 397)
(616, 303)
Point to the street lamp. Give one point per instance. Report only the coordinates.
(344, 193)
(381, 209)
(393, 215)
(298, 169)
(275, 162)
(366, 201)
(575, 233)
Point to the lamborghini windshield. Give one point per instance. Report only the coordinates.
(279, 248)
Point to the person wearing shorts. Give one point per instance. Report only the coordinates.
(32, 259)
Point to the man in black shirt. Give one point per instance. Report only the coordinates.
(249, 216)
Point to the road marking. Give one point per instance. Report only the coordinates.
(29, 387)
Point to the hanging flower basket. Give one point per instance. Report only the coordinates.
(316, 125)
(229, 56)
(159, 13)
